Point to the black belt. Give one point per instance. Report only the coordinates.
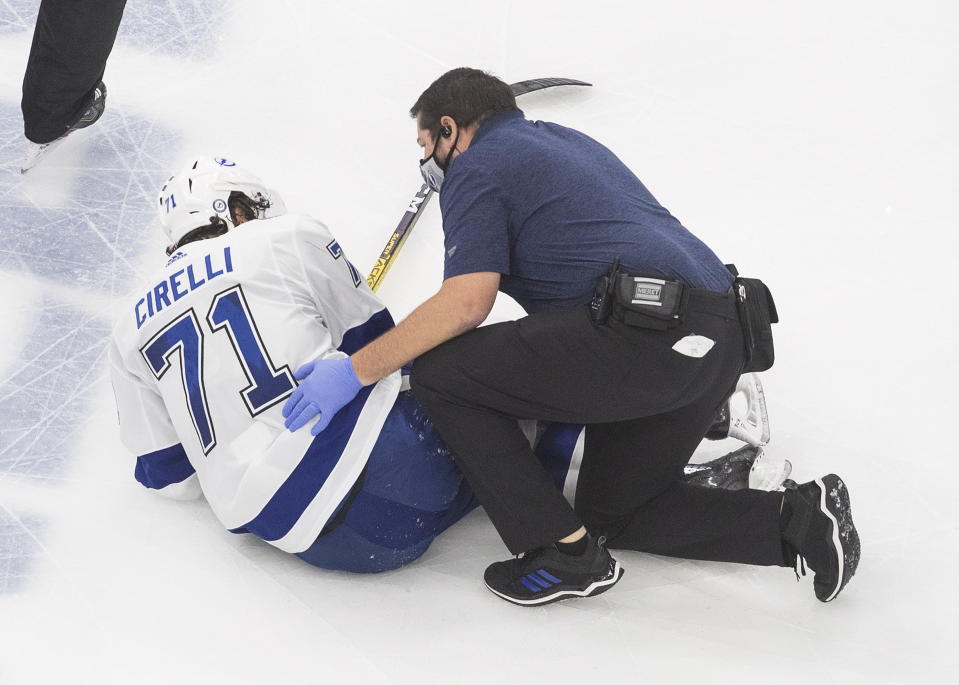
(711, 302)
(659, 303)
(654, 301)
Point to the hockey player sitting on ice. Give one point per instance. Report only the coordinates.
(203, 359)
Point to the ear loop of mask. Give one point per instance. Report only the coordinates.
(449, 155)
(433, 172)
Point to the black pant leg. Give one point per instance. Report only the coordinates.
(518, 495)
(710, 524)
(628, 463)
(638, 466)
(71, 43)
(556, 366)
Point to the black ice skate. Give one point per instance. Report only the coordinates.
(747, 467)
(730, 472)
(91, 113)
(547, 575)
(819, 528)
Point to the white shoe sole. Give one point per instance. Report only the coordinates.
(835, 539)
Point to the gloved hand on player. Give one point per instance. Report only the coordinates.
(326, 386)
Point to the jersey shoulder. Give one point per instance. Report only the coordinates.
(290, 238)
(287, 223)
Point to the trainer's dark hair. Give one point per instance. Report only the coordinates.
(470, 96)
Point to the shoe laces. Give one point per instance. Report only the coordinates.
(518, 563)
(795, 559)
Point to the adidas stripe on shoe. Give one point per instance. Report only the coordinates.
(547, 575)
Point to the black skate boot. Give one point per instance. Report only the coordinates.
(747, 467)
(90, 115)
(547, 575)
(719, 430)
(817, 526)
(93, 110)
(730, 472)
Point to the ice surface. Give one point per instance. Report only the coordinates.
(96, 231)
(17, 15)
(18, 550)
(812, 144)
(46, 392)
(182, 28)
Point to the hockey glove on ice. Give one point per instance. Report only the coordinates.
(326, 386)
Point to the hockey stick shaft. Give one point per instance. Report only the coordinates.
(422, 197)
(399, 236)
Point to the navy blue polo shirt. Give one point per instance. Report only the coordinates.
(549, 208)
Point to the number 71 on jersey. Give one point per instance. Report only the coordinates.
(183, 337)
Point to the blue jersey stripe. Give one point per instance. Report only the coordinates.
(164, 467)
(294, 496)
(357, 337)
(555, 450)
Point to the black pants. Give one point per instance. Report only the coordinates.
(646, 407)
(71, 43)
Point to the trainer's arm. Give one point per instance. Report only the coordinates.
(462, 304)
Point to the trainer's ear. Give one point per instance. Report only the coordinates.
(448, 127)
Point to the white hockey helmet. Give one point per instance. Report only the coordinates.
(211, 188)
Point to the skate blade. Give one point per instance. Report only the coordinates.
(768, 474)
(37, 153)
(753, 428)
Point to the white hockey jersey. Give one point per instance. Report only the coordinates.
(202, 362)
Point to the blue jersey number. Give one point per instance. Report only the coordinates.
(336, 251)
(268, 385)
(184, 337)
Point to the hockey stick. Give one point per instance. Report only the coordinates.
(423, 195)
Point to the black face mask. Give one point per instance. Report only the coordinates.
(432, 169)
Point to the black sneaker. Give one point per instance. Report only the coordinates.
(547, 575)
(90, 115)
(820, 530)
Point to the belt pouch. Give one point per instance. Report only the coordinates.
(650, 301)
(757, 313)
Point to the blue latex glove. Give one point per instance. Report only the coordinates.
(326, 386)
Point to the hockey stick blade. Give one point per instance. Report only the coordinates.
(524, 87)
(423, 195)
